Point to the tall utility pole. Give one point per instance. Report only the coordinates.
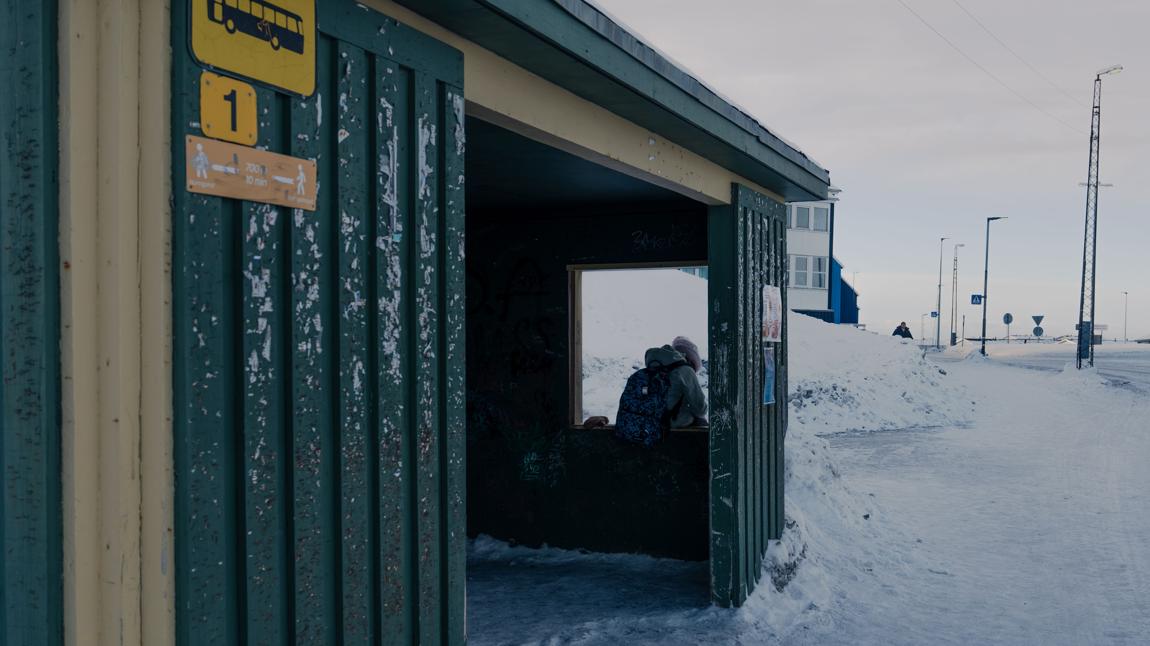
(1090, 238)
(1125, 311)
(938, 307)
(986, 280)
(954, 295)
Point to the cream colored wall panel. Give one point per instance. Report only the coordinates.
(116, 330)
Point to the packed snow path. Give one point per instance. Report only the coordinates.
(1035, 518)
(990, 505)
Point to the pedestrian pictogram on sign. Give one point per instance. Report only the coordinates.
(270, 41)
(976, 299)
(228, 170)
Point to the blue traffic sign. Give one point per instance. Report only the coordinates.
(934, 315)
(976, 299)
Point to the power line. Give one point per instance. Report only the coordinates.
(984, 70)
(1018, 56)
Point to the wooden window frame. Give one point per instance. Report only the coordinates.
(575, 325)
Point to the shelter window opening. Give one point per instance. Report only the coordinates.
(625, 318)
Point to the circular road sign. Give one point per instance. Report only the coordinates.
(1008, 318)
(1038, 331)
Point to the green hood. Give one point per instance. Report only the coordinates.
(663, 356)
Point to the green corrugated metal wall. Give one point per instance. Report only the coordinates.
(30, 513)
(320, 359)
(747, 241)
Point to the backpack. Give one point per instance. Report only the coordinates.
(643, 417)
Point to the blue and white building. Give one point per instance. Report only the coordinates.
(816, 286)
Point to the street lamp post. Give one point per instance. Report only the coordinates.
(1125, 311)
(986, 279)
(954, 295)
(938, 306)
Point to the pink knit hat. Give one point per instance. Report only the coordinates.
(688, 349)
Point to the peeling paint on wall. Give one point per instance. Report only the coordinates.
(426, 142)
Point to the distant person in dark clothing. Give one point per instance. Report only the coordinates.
(903, 331)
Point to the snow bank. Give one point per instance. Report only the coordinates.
(845, 379)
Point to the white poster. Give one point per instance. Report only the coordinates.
(772, 314)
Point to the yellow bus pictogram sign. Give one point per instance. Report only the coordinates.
(270, 41)
(228, 109)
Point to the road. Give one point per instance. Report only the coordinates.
(1123, 364)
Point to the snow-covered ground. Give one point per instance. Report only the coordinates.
(958, 502)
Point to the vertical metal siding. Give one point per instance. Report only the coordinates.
(30, 504)
(319, 386)
(747, 250)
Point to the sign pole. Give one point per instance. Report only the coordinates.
(986, 278)
(938, 307)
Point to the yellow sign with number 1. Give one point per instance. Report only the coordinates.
(228, 109)
(269, 41)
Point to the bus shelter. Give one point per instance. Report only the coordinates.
(317, 274)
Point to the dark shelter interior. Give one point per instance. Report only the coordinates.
(533, 477)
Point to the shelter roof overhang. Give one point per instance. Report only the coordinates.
(576, 46)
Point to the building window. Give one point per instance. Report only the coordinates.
(822, 218)
(809, 271)
(799, 271)
(811, 218)
(819, 273)
(802, 217)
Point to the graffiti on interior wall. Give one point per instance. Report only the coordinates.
(531, 467)
(545, 465)
(677, 237)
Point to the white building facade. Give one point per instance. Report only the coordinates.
(809, 240)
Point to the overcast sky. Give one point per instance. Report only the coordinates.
(924, 144)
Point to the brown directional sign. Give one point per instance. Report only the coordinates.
(229, 170)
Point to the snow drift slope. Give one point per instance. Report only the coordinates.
(847, 379)
(842, 381)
